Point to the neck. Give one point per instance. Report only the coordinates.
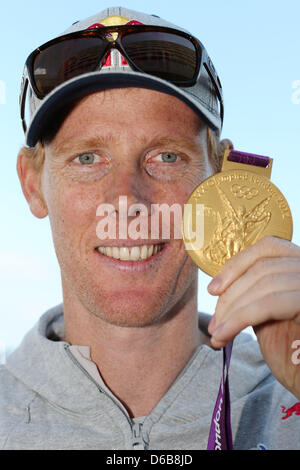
(137, 364)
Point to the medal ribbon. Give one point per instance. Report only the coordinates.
(220, 435)
(248, 158)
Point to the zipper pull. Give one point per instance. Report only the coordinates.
(138, 442)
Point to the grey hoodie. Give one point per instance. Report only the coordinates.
(53, 397)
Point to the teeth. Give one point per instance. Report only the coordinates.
(136, 253)
(124, 253)
(109, 251)
(144, 252)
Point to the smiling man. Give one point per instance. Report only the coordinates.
(126, 105)
(102, 294)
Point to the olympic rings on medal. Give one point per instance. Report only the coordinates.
(244, 191)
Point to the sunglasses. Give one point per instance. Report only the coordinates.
(167, 53)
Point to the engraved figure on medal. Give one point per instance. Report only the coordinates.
(237, 229)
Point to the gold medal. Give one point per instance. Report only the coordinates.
(240, 206)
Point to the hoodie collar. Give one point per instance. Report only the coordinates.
(41, 362)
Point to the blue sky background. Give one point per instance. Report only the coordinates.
(255, 47)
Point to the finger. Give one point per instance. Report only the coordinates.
(248, 289)
(275, 306)
(244, 284)
(268, 247)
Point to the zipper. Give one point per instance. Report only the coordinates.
(138, 442)
(136, 428)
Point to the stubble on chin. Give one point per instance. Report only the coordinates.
(136, 309)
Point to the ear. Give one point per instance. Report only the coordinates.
(30, 182)
(224, 144)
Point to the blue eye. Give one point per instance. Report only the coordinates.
(169, 157)
(166, 157)
(87, 158)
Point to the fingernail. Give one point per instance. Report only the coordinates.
(219, 329)
(214, 285)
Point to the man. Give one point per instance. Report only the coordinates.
(126, 362)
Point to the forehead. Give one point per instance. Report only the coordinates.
(133, 110)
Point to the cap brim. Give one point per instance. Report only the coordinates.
(73, 90)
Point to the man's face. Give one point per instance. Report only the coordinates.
(149, 147)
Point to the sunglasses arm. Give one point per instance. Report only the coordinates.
(22, 98)
(216, 81)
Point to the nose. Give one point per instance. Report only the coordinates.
(130, 193)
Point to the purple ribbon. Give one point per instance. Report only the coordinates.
(220, 436)
(248, 158)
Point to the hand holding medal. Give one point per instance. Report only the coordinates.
(246, 246)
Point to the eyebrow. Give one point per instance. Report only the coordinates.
(181, 141)
(96, 142)
(73, 147)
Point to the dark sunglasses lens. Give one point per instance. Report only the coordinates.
(168, 56)
(65, 60)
